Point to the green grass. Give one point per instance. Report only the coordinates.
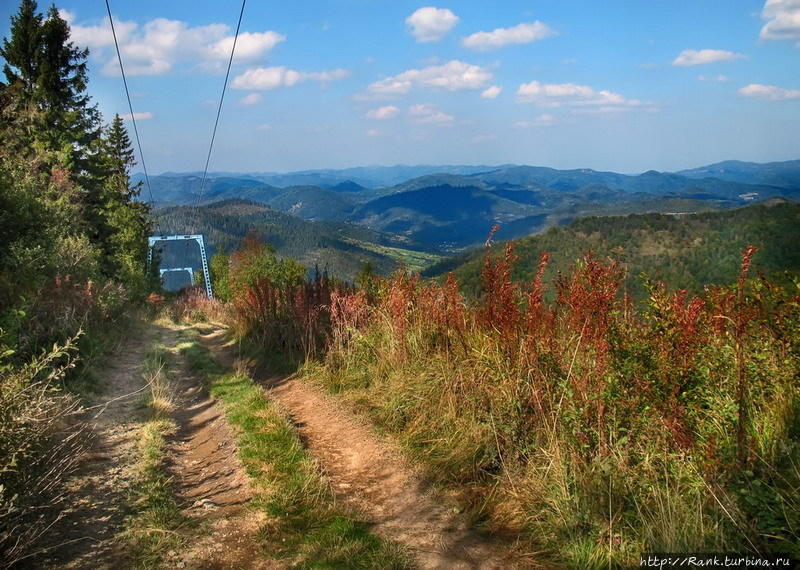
(152, 528)
(410, 259)
(579, 455)
(304, 526)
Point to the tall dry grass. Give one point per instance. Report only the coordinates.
(598, 430)
(41, 440)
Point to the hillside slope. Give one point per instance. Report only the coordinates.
(783, 174)
(342, 249)
(688, 251)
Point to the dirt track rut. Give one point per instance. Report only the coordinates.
(370, 477)
(97, 492)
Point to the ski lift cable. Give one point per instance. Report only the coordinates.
(221, 100)
(196, 210)
(133, 118)
(216, 121)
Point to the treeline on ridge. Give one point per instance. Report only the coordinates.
(687, 251)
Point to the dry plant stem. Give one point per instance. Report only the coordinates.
(569, 375)
(742, 388)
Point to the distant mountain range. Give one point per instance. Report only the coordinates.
(448, 208)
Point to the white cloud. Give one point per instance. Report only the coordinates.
(492, 92)
(427, 113)
(575, 96)
(266, 78)
(501, 37)
(705, 56)
(769, 92)
(386, 112)
(145, 116)
(783, 20)
(264, 127)
(431, 24)
(540, 121)
(252, 99)
(478, 139)
(716, 79)
(452, 76)
(249, 46)
(374, 133)
(160, 45)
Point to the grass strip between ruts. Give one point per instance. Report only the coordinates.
(156, 515)
(303, 523)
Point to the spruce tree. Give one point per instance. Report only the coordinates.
(125, 218)
(119, 159)
(54, 126)
(46, 77)
(21, 51)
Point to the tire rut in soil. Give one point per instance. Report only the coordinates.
(210, 482)
(96, 495)
(372, 478)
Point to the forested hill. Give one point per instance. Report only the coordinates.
(342, 249)
(451, 210)
(686, 251)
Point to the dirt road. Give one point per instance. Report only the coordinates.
(368, 475)
(371, 477)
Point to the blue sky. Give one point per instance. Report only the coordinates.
(623, 85)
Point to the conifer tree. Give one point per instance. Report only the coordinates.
(125, 217)
(54, 127)
(46, 82)
(21, 51)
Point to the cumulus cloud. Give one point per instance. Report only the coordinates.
(705, 56)
(501, 37)
(783, 20)
(161, 45)
(381, 113)
(249, 46)
(452, 76)
(145, 116)
(578, 97)
(252, 99)
(427, 113)
(769, 92)
(266, 78)
(492, 92)
(431, 24)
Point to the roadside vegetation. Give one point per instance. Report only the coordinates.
(73, 247)
(594, 426)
